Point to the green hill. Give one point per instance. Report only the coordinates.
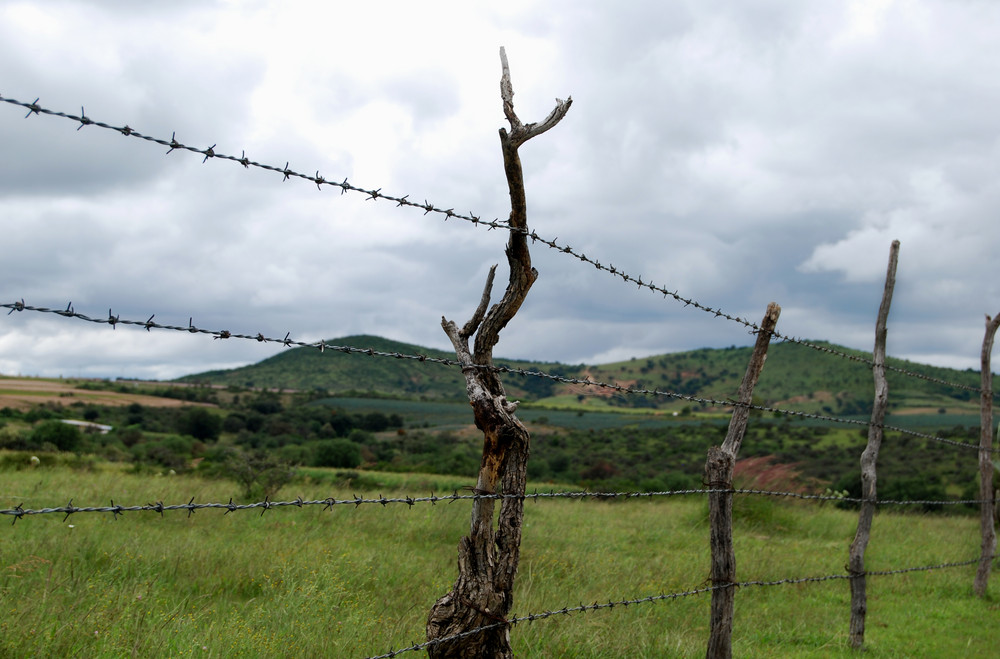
(795, 377)
(308, 369)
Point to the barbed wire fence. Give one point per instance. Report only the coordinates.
(596, 606)
(173, 144)
(329, 503)
(149, 324)
(375, 194)
(191, 506)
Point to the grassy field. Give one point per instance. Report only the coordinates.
(358, 581)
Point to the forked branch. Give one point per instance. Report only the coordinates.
(488, 556)
(520, 133)
(522, 275)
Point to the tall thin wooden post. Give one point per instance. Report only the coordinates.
(986, 494)
(719, 476)
(856, 562)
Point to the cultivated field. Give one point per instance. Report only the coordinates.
(23, 393)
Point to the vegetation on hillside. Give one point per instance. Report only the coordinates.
(260, 440)
(796, 378)
(106, 594)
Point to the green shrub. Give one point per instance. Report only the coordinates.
(359, 436)
(260, 474)
(295, 454)
(160, 454)
(63, 436)
(341, 453)
(200, 423)
(14, 440)
(37, 414)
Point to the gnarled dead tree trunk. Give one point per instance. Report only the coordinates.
(488, 557)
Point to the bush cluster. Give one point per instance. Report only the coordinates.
(258, 438)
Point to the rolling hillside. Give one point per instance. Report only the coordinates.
(795, 377)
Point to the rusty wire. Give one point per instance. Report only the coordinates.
(148, 324)
(596, 606)
(427, 207)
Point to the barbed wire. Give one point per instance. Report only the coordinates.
(210, 152)
(596, 606)
(752, 326)
(734, 403)
(871, 363)
(427, 207)
(328, 503)
(148, 324)
(567, 610)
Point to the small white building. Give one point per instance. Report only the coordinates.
(88, 425)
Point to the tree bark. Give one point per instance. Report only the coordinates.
(488, 558)
(856, 561)
(986, 492)
(719, 475)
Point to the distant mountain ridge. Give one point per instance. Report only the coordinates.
(796, 377)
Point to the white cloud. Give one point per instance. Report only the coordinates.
(739, 154)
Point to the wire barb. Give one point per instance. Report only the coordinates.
(321, 345)
(34, 108)
(409, 501)
(662, 597)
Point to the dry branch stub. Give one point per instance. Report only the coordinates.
(856, 560)
(719, 476)
(488, 557)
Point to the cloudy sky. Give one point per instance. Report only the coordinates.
(738, 152)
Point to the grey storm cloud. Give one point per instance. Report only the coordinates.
(735, 152)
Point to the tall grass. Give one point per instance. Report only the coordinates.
(357, 581)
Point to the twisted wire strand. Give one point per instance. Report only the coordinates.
(328, 503)
(427, 207)
(322, 346)
(719, 313)
(210, 152)
(514, 620)
(596, 606)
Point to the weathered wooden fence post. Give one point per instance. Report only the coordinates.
(986, 493)
(719, 476)
(856, 561)
(488, 558)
